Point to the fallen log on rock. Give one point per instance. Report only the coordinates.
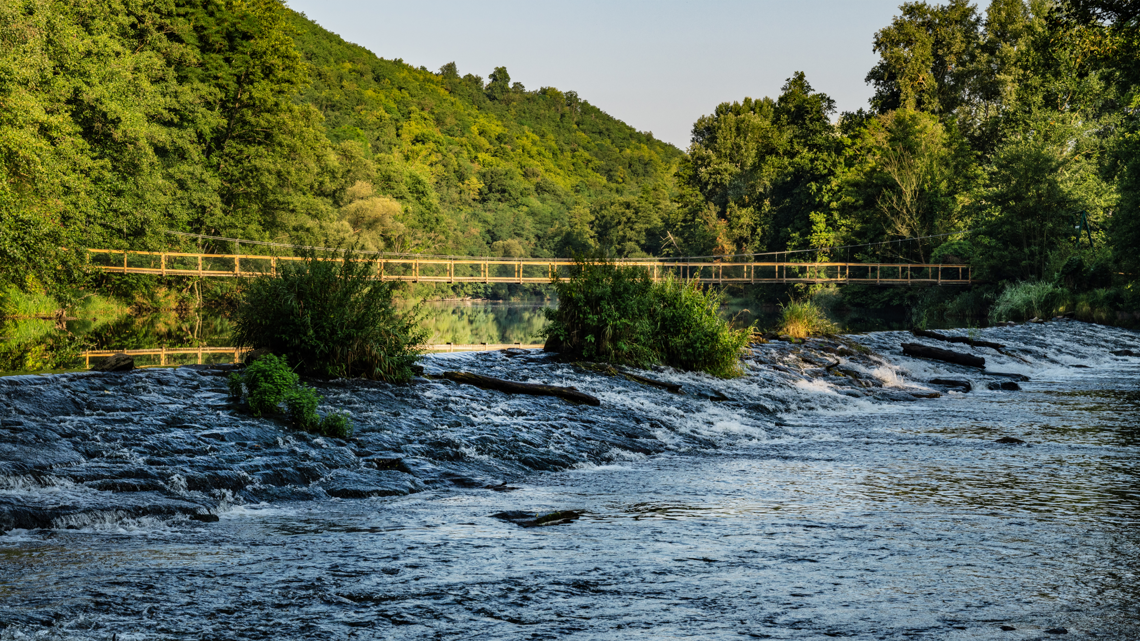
(956, 339)
(513, 387)
(671, 387)
(610, 370)
(934, 353)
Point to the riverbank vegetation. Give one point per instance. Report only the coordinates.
(803, 318)
(615, 314)
(328, 318)
(1004, 134)
(269, 383)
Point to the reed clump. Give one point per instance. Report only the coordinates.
(616, 314)
(1025, 300)
(800, 319)
(330, 319)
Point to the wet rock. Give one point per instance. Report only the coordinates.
(42, 401)
(959, 383)
(348, 484)
(1124, 352)
(205, 517)
(1007, 628)
(115, 363)
(1006, 386)
(1056, 631)
(925, 394)
(1009, 440)
(531, 519)
(1017, 377)
(717, 397)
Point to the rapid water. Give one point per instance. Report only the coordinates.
(800, 501)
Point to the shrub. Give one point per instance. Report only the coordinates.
(1025, 300)
(267, 381)
(329, 318)
(615, 314)
(689, 332)
(800, 319)
(603, 314)
(336, 425)
(301, 406)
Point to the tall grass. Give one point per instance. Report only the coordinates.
(1025, 300)
(616, 314)
(800, 319)
(329, 318)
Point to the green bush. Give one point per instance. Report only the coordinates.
(267, 382)
(336, 425)
(603, 314)
(330, 318)
(688, 331)
(301, 407)
(615, 314)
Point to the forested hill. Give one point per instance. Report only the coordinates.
(478, 167)
(119, 120)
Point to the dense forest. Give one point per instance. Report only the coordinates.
(1005, 135)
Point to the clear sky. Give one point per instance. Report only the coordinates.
(658, 65)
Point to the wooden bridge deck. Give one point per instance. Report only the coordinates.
(533, 270)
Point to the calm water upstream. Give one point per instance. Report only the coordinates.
(797, 502)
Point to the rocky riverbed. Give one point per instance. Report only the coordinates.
(167, 453)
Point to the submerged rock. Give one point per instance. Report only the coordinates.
(531, 519)
(1009, 440)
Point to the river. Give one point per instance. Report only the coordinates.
(796, 502)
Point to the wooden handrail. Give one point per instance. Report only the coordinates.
(236, 352)
(443, 270)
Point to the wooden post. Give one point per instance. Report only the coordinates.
(237, 265)
(162, 356)
(162, 262)
(199, 353)
(199, 265)
(272, 270)
(124, 261)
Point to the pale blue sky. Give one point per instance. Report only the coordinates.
(657, 65)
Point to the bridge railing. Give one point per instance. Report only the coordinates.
(533, 270)
(164, 356)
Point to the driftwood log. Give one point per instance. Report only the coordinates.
(513, 387)
(956, 339)
(934, 353)
(610, 370)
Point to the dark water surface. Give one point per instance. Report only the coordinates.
(802, 503)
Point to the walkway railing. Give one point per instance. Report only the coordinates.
(170, 355)
(534, 270)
